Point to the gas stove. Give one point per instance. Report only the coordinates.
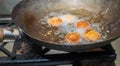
(26, 53)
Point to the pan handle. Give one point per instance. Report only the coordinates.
(1, 35)
(6, 35)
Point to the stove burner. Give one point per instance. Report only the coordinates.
(26, 53)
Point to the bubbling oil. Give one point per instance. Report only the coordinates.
(57, 34)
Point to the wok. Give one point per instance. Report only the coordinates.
(27, 15)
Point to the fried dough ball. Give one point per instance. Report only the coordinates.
(55, 21)
(92, 35)
(83, 24)
(73, 37)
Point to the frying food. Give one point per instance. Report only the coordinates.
(73, 37)
(92, 35)
(83, 24)
(73, 28)
(55, 21)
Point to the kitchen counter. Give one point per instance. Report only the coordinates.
(116, 46)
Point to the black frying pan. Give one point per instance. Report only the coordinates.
(27, 15)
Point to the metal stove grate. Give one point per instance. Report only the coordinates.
(35, 58)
